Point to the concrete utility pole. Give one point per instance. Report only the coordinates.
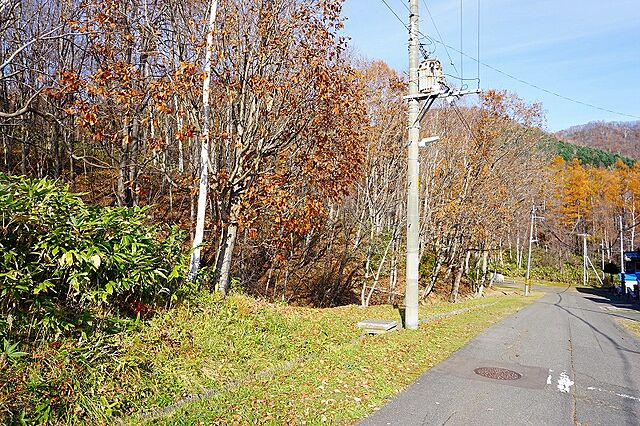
(602, 258)
(527, 283)
(425, 84)
(585, 264)
(622, 283)
(413, 218)
(621, 246)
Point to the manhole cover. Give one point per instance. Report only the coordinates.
(497, 373)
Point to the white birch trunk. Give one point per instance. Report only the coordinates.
(227, 252)
(194, 265)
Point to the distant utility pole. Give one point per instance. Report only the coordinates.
(621, 246)
(413, 176)
(585, 266)
(622, 283)
(527, 283)
(532, 239)
(586, 262)
(602, 257)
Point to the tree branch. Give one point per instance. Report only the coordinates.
(22, 110)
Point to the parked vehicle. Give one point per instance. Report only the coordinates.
(631, 275)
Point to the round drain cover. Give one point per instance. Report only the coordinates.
(497, 373)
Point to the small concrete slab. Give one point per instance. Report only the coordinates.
(377, 326)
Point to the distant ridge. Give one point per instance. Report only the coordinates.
(617, 137)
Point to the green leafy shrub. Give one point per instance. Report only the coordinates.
(65, 266)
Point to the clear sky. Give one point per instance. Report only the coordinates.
(588, 50)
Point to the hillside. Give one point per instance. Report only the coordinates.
(587, 155)
(617, 137)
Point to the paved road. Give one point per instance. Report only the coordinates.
(578, 367)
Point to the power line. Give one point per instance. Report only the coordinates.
(506, 74)
(440, 37)
(394, 13)
(425, 52)
(535, 86)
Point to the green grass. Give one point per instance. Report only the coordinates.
(211, 343)
(344, 382)
(548, 283)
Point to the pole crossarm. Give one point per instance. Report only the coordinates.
(450, 94)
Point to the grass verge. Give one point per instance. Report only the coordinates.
(632, 326)
(544, 283)
(344, 381)
(219, 347)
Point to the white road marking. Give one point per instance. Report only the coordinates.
(564, 383)
(621, 395)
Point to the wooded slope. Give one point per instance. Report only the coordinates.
(616, 137)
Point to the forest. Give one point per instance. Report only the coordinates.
(617, 137)
(156, 150)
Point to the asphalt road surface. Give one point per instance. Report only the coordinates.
(577, 366)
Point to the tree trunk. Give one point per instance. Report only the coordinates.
(194, 265)
(8, 161)
(485, 255)
(25, 155)
(228, 245)
(123, 195)
(467, 260)
(455, 287)
(376, 277)
(433, 279)
(56, 152)
(367, 265)
(133, 165)
(510, 249)
(393, 272)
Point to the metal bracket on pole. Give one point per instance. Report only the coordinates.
(430, 98)
(450, 94)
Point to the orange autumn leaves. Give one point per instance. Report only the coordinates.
(589, 195)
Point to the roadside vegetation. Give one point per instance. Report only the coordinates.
(98, 322)
(346, 380)
(150, 165)
(552, 267)
(632, 326)
(216, 346)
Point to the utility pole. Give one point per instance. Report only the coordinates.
(413, 218)
(585, 265)
(527, 283)
(426, 83)
(602, 258)
(622, 282)
(621, 246)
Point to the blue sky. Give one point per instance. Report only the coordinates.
(587, 50)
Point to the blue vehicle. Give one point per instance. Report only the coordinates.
(631, 275)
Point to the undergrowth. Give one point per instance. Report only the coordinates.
(200, 346)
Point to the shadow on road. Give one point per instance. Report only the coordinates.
(608, 298)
